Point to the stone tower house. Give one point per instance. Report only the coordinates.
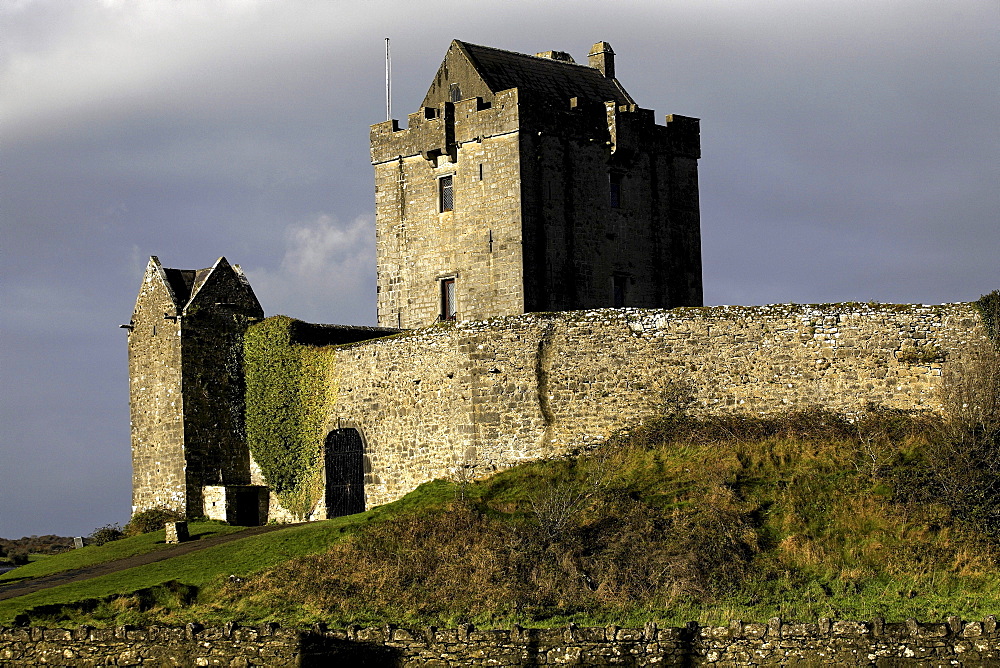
(185, 346)
(533, 183)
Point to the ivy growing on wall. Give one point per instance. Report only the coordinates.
(989, 309)
(285, 400)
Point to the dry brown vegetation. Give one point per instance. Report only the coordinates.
(806, 514)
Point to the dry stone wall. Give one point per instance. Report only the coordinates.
(490, 394)
(826, 642)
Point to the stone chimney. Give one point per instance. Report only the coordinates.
(556, 55)
(602, 57)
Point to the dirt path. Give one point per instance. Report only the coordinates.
(56, 579)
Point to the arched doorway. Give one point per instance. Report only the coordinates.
(345, 473)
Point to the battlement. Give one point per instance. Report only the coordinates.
(434, 131)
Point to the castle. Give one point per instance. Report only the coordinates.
(539, 286)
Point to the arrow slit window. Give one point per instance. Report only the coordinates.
(615, 192)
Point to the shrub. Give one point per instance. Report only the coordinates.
(106, 534)
(151, 520)
(989, 308)
(960, 465)
(18, 558)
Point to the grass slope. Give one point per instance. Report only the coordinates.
(93, 555)
(175, 580)
(730, 518)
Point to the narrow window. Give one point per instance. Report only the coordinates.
(454, 93)
(615, 190)
(448, 310)
(480, 171)
(445, 193)
(618, 291)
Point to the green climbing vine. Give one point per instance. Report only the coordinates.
(989, 308)
(286, 393)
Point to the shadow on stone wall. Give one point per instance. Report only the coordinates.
(318, 650)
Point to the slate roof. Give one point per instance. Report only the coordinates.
(501, 70)
(181, 282)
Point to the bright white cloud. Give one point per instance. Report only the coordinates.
(327, 272)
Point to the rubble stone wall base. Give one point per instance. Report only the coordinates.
(775, 643)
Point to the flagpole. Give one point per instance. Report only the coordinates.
(388, 82)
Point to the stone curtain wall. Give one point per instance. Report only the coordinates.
(827, 642)
(490, 394)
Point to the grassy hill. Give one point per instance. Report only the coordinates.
(678, 519)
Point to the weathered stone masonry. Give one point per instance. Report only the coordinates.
(485, 395)
(562, 193)
(523, 184)
(776, 643)
(494, 393)
(185, 343)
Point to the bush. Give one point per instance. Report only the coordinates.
(18, 558)
(151, 520)
(106, 534)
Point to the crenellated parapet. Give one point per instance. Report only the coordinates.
(435, 131)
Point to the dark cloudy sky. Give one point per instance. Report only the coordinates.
(850, 152)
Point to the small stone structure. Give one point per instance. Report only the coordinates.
(775, 643)
(242, 505)
(185, 349)
(176, 532)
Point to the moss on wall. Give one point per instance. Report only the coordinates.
(989, 308)
(286, 386)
